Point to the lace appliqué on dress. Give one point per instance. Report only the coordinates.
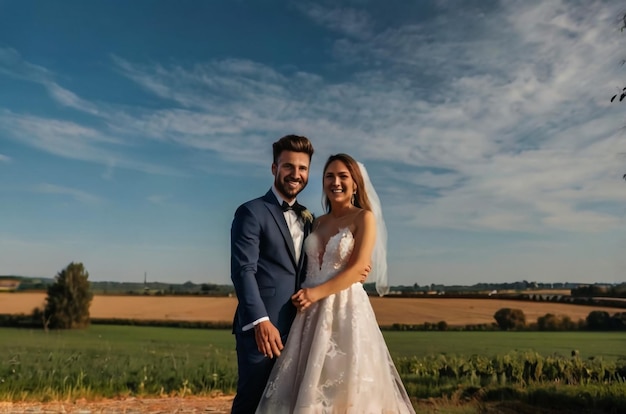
(335, 359)
(335, 256)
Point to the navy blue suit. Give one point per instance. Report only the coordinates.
(265, 274)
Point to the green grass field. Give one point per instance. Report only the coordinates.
(115, 360)
(109, 361)
(607, 345)
(130, 340)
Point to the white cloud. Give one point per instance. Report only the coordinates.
(346, 20)
(74, 141)
(512, 105)
(4, 158)
(431, 180)
(517, 118)
(12, 64)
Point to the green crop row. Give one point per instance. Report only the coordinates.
(111, 361)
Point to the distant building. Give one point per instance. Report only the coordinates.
(9, 285)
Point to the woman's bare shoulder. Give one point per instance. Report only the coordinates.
(319, 220)
(364, 217)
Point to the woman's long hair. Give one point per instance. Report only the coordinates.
(360, 199)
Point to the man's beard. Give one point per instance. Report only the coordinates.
(285, 190)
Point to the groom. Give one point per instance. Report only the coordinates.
(267, 267)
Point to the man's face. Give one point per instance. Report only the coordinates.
(291, 173)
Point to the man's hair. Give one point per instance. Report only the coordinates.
(293, 143)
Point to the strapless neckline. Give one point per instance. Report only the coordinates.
(326, 261)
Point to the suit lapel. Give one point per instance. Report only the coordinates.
(307, 230)
(300, 273)
(277, 213)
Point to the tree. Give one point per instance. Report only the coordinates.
(618, 321)
(69, 298)
(508, 318)
(548, 322)
(598, 320)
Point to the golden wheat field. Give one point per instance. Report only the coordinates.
(388, 310)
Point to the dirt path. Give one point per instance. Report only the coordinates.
(222, 404)
(187, 405)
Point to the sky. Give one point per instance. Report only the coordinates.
(131, 131)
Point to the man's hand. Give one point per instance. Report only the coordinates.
(268, 339)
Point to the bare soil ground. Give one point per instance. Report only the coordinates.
(222, 405)
(187, 405)
(389, 310)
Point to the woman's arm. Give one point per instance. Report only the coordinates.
(358, 264)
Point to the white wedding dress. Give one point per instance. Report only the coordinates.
(335, 359)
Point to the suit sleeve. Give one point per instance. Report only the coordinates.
(245, 247)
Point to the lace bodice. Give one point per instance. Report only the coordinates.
(336, 254)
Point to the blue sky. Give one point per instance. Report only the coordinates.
(131, 131)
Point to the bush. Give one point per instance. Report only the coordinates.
(598, 320)
(508, 318)
(550, 322)
(618, 321)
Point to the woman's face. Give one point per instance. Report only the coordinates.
(338, 183)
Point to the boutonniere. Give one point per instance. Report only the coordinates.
(306, 215)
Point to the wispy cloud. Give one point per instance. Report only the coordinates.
(215, 103)
(74, 141)
(343, 19)
(518, 120)
(78, 195)
(4, 158)
(503, 128)
(12, 64)
(65, 138)
(159, 198)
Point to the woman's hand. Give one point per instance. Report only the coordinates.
(304, 298)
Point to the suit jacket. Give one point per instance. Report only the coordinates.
(264, 270)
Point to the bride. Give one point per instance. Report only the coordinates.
(336, 359)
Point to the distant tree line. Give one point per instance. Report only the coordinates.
(508, 319)
(513, 290)
(478, 287)
(133, 288)
(514, 319)
(609, 291)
